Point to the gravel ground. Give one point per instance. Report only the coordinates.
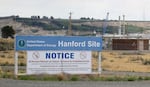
(21, 83)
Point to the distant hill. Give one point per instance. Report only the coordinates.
(45, 26)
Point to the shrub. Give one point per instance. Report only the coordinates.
(146, 78)
(74, 78)
(146, 62)
(20, 56)
(3, 56)
(22, 64)
(61, 77)
(132, 78)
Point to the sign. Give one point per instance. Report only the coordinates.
(58, 43)
(54, 62)
(56, 54)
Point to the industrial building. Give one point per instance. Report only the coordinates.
(130, 44)
(122, 40)
(126, 42)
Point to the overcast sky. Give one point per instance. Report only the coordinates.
(133, 9)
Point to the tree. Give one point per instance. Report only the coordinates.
(7, 31)
(52, 17)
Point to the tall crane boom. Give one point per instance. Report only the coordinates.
(105, 23)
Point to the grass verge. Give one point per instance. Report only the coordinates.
(81, 78)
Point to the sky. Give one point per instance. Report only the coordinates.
(97, 9)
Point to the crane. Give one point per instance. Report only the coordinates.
(105, 24)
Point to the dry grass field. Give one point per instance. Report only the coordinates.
(7, 58)
(126, 61)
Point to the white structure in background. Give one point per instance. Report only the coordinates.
(119, 30)
(123, 27)
(131, 36)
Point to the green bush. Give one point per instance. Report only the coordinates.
(132, 78)
(146, 78)
(74, 78)
(38, 77)
(7, 75)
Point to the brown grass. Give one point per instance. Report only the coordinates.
(9, 40)
(7, 57)
(117, 61)
(6, 44)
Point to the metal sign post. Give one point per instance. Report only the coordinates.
(16, 61)
(99, 63)
(16, 64)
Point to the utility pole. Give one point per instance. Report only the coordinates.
(70, 25)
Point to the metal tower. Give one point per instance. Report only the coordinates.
(105, 24)
(70, 25)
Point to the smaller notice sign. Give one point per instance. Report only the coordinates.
(54, 62)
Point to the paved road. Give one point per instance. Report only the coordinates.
(21, 83)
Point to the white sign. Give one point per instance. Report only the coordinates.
(54, 62)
